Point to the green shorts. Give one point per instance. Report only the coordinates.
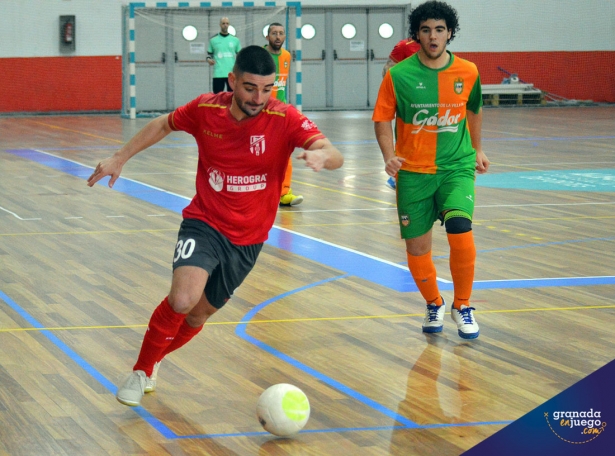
(421, 198)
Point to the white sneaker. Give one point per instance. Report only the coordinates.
(131, 391)
(467, 328)
(150, 382)
(434, 318)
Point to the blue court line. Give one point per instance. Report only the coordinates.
(106, 383)
(241, 332)
(352, 262)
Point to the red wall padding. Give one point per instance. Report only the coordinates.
(572, 75)
(42, 84)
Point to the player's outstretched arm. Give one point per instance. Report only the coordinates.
(149, 135)
(322, 154)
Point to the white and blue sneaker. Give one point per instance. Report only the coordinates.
(391, 183)
(467, 328)
(434, 318)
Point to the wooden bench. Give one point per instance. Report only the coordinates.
(512, 94)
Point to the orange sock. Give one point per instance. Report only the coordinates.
(463, 256)
(424, 274)
(287, 178)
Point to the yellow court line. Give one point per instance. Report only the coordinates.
(87, 232)
(300, 320)
(345, 193)
(76, 131)
(392, 222)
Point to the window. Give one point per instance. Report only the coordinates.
(385, 30)
(349, 31)
(308, 32)
(189, 33)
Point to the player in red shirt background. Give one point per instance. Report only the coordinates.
(242, 161)
(402, 50)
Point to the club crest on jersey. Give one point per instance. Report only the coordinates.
(458, 84)
(308, 124)
(405, 220)
(216, 179)
(257, 145)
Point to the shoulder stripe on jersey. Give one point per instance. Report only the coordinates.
(275, 113)
(210, 105)
(312, 139)
(172, 119)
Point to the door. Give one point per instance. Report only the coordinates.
(314, 56)
(150, 60)
(189, 76)
(385, 30)
(350, 58)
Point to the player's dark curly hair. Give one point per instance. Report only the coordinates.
(433, 10)
(254, 59)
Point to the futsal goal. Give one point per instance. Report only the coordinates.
(165, 46)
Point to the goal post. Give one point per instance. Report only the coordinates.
(163, 70)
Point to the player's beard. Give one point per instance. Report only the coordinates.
(250, 110)
(274, 47)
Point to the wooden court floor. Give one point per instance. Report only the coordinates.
(329, 306)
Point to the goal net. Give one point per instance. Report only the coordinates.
(165, 49)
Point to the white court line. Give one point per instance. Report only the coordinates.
(481, 206)
(15, 215)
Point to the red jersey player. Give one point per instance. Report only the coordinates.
(402, 50)
(242, 161)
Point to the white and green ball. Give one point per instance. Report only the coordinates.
(283, 409)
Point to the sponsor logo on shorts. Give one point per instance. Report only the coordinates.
(405, 220)
(257, 145)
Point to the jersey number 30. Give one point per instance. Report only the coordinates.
(184, 249)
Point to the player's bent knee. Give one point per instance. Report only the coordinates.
(457, 222)
(181, 302)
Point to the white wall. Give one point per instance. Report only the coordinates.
(29, 28)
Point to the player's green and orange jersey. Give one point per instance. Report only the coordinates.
(430, 110)
(282, 70)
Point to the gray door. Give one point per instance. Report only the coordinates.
(350, 58)
(314, 58)
(189, 74)
(379, 46)
(150, 60)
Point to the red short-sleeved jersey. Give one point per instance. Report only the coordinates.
(241, 163)
(404, 49)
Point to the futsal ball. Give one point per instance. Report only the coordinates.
(283, 409)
